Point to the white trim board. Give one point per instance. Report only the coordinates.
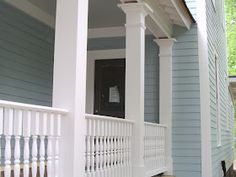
(92, 56)
(117, 31)
(206, 159)
(33, 11)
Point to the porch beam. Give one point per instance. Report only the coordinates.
(165, 94)
(161, 20)
(134, 96)
(69, 82)
(184, 15)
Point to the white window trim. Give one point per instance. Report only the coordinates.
(223, 20)
(218, 114)
(94, 55)
(228, 114)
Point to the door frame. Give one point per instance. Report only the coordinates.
(94, 55)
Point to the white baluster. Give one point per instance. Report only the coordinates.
(125, 150)
(130, 147)
(1, 130)
(49, 148)
(106, 148)
(35, 133)
(115, 149)
(97, 153)
(92, 147)
(109, 149)
(18, 123)
(163, 147)
(42, 144)
(160, 148)
(57, 145)
(102, 139)
(112, 148)
(26, 134)
(8, 131)
(157, 144)
(88, 148)
(119, 148)
(122, 148)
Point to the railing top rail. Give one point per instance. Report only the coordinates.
(155, 124)
(100, 117)
(23, 106)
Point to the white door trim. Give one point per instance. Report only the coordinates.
(92, 56)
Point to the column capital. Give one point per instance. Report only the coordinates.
(165, 42)
(165, 46)
(143, 8)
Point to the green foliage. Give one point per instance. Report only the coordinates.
(230, 6)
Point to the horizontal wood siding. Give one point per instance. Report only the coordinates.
(26, 58)
(217, 42)
(151, 70)
(151, 109)
(186, 105)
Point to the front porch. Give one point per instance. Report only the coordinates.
(32, 134)
(72, 138)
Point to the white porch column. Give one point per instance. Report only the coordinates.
(134, 96)
(69, 83)
(165, 94)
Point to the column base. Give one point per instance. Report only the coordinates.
(169, 165)
(138, 171)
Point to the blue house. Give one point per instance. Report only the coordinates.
(129, 88)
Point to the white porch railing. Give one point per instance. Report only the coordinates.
(30, 139)
(108, 146)
(154, 149)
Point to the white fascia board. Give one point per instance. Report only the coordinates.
(182, 13)
(33, 11)
(161, 19)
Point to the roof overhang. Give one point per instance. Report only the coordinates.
(165, 14)
(232, 86)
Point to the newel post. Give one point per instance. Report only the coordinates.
(135, 62)
(165, 94)
(69, 83)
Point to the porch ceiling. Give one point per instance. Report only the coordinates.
(105, 13)
(232, 81)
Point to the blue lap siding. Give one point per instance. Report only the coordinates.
(26, 58)
(186, 127)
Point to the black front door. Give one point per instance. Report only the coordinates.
(109, 97)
